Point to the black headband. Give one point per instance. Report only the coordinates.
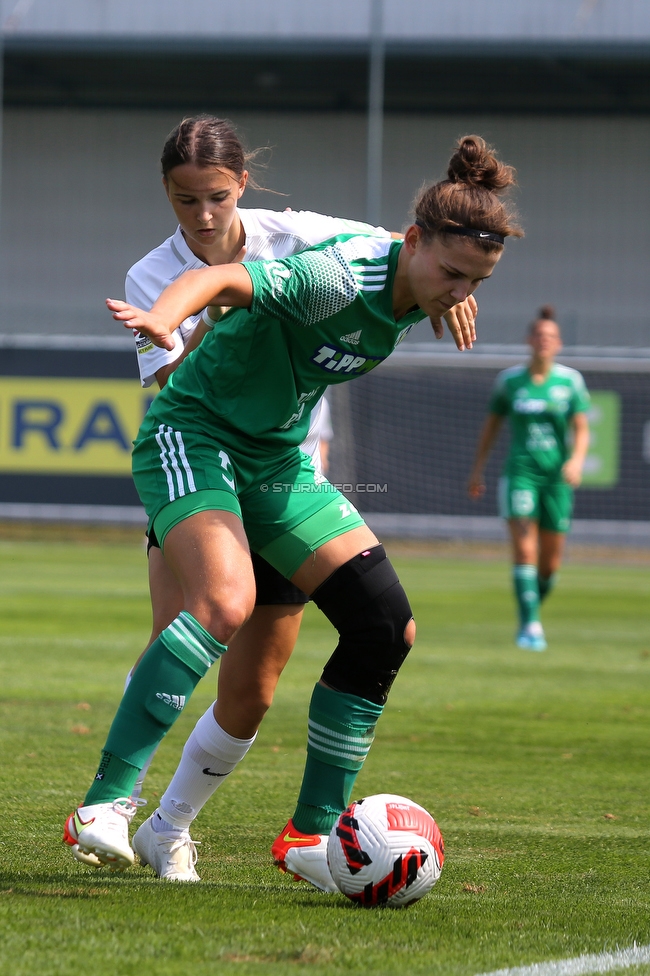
(481, 235)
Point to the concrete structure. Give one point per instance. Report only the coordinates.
(339, 20)
(562, 87)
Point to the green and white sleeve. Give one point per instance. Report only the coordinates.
(304, 288)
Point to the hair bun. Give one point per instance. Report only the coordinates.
(475, 164)
(546, 313)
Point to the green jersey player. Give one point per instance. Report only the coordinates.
(204, 173)
(546, 405)
(217, 464)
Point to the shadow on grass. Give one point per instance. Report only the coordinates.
(53, 884)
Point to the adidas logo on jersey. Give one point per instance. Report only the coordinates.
(339, 361)
(353, 338)
(174, 701)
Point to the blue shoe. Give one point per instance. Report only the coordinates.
(531, 637)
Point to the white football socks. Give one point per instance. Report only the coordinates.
(210, 754)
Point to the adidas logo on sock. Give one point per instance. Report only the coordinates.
(174, 701)
(353, 338)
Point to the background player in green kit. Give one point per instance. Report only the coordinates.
(217, 466)
(546, 405)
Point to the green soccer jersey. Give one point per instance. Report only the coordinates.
(539, 415)
(319, 317)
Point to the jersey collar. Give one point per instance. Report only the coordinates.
(182, 251)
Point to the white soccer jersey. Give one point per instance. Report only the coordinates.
(311, 443)
(326, 429)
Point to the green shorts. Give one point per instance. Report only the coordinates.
(287, 508)
(546, 499)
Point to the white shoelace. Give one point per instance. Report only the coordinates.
(173, 844)
(127, 806)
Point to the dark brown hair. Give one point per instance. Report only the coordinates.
(208, 142)
(470, 196)
(546, 314)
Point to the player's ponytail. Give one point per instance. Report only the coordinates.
(546, 313)
(207, 142)
(468, 203)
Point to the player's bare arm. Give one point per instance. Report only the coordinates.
(572, 469)
(226, 284)
(214, 313)
(195, 339)
(489, 433)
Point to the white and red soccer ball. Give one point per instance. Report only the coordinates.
(385, 850)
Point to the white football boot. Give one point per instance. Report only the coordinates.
(99, 833)
(310, 864)
(91, 860)
(304, 856)
(172, 855)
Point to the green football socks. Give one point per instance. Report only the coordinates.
(524, 577)
(341, 731)
(545, 584)
(157, 693)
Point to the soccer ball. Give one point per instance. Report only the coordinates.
(385, 850)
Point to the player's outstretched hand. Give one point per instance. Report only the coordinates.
(147, 323)
(572, 472)
(461, 322)
(476, 487)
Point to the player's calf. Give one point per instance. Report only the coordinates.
(367, 604)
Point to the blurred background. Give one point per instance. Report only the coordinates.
(358, 104)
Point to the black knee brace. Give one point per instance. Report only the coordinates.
(365, 601)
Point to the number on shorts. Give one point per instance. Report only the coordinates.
(227, 466)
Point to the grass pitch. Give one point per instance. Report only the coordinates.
(535, 766)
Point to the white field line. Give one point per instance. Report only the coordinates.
(601, 962)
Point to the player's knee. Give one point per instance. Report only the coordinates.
(409, 633)
(367, 604)
(226, 621)
(222, 618)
